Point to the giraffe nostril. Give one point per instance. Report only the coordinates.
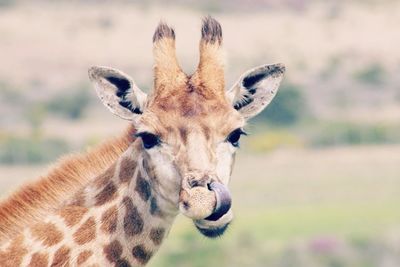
(209, 186)
(194, 183)
(198, 178)
(186, 205)
(203, 182)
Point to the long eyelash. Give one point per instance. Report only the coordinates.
(140, 134)
(137, 135)
(237, 133)
(243, 132)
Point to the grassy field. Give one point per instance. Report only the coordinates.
(296, 202)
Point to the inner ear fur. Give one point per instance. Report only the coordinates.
(256, 88)
(118, 92)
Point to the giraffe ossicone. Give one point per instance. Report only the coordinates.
(177, 156)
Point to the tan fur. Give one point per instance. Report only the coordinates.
(86, 232)
(109, 220)
(47, 233)
(78, 199)
(72, 214)
(106, 176)
(61, 257)
(39, 260)
(30, 202)
(83, 256)
(108, 193)
(210, 72)
(14, 254)
(167, 72)
(170, 80)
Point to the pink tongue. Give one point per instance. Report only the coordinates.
(224, 201)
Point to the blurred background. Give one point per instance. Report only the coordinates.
(317, 181)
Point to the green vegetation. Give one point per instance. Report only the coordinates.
(30, 150)
(33, 147)
(273, 139)
(35, 116)
(373, 74)
(7, 3)
(70, 105)
(332, 67)
(321, 134)
(10, 94)
(346, 133)
(248, 244)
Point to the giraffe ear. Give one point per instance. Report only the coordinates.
(118, 92)
(255, 89)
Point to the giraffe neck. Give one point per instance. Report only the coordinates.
(120, 218)
(134, 211)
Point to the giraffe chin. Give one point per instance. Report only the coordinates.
(214, 229)
(213, 232)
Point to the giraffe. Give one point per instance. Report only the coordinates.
(176, 157)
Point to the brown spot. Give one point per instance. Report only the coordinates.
(189, 110)
(72, 214)
(109, 220)
(113, 251)
(108, 193)
(183, 132)
(133, 222)
(169, 129)
(154, 210)
(105, 177)
(123, 263)
(127, 169)
(61, 257)
(143, 188)
(206, 131)
(79, 199)
(140, 254)
(47, 233)
(86, 232)
(165, 106)
(14, 254)
(157, 235)
(149, 169)
(39, 260)
(83, 256)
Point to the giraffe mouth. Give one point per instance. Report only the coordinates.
(214, 229)
(209, 206)
(213, 232)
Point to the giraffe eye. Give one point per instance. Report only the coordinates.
(149, 140)
(234, 137)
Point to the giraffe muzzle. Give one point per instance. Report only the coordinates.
(209, 202)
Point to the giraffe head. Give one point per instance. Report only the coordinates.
(189, 126)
